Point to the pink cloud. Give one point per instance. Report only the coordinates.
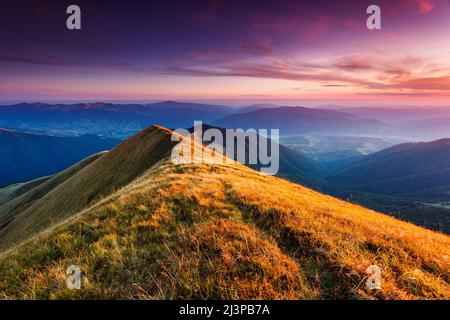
(425, 6)
(421, 7)
(431, 83)
(387, 73)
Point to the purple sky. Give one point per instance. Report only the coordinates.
(262, 50)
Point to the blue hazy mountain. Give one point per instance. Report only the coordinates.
(301, 120)
(410, 181)
(114, 120)
(27, 156)
(416, 169)
(293, 165)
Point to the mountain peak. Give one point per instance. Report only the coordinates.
(168, 102)
(97, 104)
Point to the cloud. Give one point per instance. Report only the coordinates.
(335, 85)
(78, 61)
(256, 96)
(261, 70)
(242, 50)
(386, 66)
(425, 6)
(421, 7)
(431, 83)
(403, 94)
(363, 70)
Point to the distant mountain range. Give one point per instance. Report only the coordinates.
(429, 127)
(333, 152)
(425, 123)
(409, 169)
(396, 115)
(123, 120)
(108, 119)
(26, 156)
(300, 120)
(410, 181)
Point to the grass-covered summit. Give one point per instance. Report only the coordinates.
(223, 232)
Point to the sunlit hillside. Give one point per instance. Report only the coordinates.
(224, 232)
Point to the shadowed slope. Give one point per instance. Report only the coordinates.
(20, 202)
(409, 180)
(99, 179)
(227, 232)
(418, 170)
(293, 165)
(13, 191)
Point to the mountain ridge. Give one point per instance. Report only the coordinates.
(406, 160)
(293, 165)
(222, 231)
(301, 120)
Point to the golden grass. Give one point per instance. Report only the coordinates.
(226, 232)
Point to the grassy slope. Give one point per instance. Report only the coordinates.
(99, 179)
(21, 200)
(215, 231)
(13, 191)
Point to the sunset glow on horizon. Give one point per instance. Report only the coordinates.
(261, 50)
